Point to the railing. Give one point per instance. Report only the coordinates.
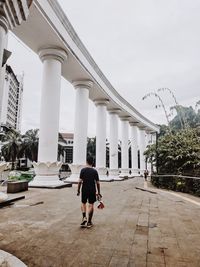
(177, 176)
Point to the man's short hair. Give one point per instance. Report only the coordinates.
(90, 160)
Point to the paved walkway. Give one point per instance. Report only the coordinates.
(136, 228)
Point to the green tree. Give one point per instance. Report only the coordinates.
(192, 119)
(91, 149)
(177, 107)
(161, 104)
(29, 146)
(61, 151)
(12, 146)
(163, 130)
(176, 153)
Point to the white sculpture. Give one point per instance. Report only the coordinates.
(3, 197)
(3, 166)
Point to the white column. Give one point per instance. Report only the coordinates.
(134, 150)
(101, 113)
(65, 156)
(3, 33)
(47, 168)
(154, 141)
(142, 149)
(80, 128)
(148, 142)
(3, 45)
(124, 149)
(113, 140)
(153, 138)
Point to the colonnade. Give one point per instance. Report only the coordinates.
(137, 139)
(47, 167)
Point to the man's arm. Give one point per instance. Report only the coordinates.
(99, 196)
(98, 187)
(79, 186)
(98, 184)
(80, 182)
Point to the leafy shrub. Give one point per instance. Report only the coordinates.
(26, 176)
(17, 176)
(176, 153)
(185, 185)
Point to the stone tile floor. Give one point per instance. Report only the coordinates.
(136, 228)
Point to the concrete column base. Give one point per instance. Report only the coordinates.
(124, 173)
(3, 197)
(134, 173)
(141, 173)
(47, 174)
(103, 177)
(114, 174)
(75, 175)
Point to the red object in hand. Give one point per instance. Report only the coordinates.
(100, 205)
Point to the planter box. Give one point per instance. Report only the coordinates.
(17, 186)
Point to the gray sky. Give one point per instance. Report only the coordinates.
(140, 45)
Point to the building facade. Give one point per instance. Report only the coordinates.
(68, 146)
(11, 102)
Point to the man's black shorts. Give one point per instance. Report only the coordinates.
(88, 196)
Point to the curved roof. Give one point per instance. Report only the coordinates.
(48, 26)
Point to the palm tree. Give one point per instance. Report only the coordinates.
(29, 145)
(11, 147)
(197, 105)
(61, 151)
(177, 107)
(160, 105)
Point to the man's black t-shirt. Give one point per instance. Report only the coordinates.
(89, 176)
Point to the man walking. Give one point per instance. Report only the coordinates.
(89, 181)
